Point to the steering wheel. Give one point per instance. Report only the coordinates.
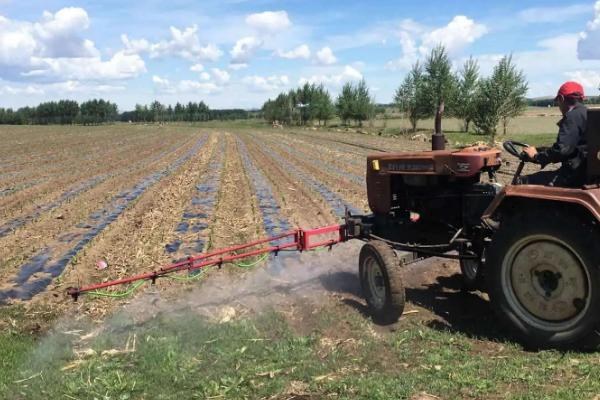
(516, 149)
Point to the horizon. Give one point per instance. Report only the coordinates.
(238, 54)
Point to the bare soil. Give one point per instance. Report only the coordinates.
(237, 219)
(302, 206)
(17, 247)
(136, 241)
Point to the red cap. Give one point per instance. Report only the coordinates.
(571, 89)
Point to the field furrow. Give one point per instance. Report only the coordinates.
(50, 262)
(274, 222)
(192, 231)
(337, 154)
(363, 143)
(303, 172)
(237, 219)
(338, 193)
(299, 204)
(317, 158)
(48, 188)
(57, 222)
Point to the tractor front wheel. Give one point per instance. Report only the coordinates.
(472, 274)
(543, 279)
(380, 273)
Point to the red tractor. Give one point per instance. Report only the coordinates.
(531, 248)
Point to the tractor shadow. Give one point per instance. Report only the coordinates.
(456, 309)
(452, 308)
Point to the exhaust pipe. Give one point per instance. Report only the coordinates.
(438, 141)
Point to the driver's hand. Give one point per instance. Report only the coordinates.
(530, 151)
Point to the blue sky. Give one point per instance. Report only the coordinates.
(237, 53)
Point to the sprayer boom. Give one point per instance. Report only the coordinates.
(297, 240)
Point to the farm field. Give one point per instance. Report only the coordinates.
(295, 326)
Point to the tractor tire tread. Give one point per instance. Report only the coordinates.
(582, 235)
(393, 271)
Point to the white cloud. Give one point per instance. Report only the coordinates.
(588, 78)
(237, 67)
(553, 14)
(347, 74)
(302, 51)
(266, 84)
(244, 49)
(416, 40)
(587, 47)
(182, 43)
(220, 75)
(17, 90)
(455, 36)
(55, 36)
(85, 88)
(325, 56)
(375, 35)
(121, 66)
(549, 65)
(163, 85)
(197, 68)
(160, 81)
(59, 89)
(135, 46)
(205, 76)
(269, 21)
(52, 50)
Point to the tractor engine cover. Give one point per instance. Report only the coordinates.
(395, 177)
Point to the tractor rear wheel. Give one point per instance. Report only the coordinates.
(543, 279)
(380, 273)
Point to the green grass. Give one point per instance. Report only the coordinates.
(185, 356)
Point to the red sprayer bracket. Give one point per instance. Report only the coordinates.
(297, 240)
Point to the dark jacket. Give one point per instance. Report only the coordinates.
(570, 147)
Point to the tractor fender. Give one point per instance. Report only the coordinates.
(587, 197)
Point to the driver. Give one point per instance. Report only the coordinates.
(570, 147)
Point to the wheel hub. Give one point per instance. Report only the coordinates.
(549, 280)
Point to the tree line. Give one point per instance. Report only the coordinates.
(98, 111)
(432, 90)
(62, 112)
(312, 102)
(190, 112)
(300, 106)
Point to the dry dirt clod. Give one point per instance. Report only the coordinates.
(226, 314)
